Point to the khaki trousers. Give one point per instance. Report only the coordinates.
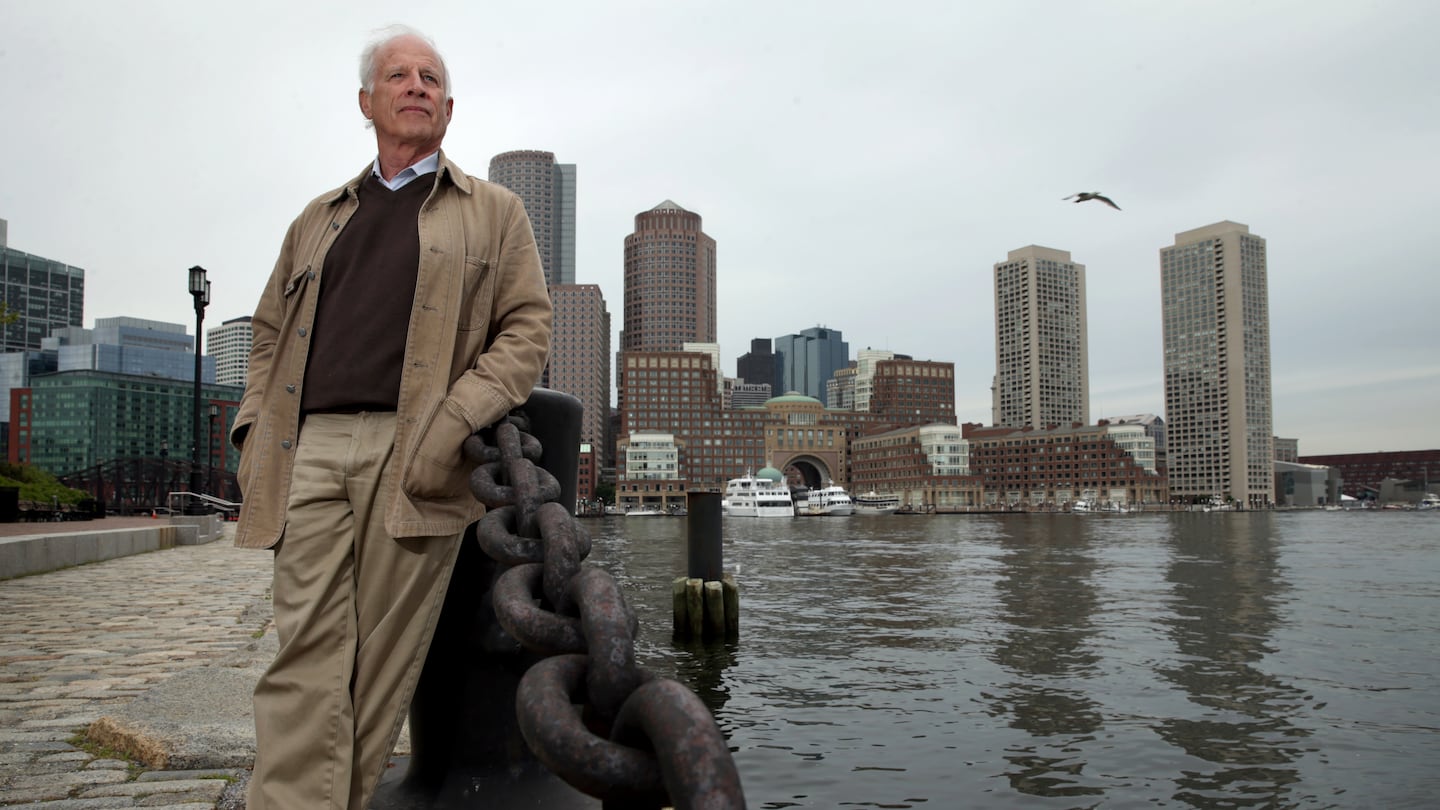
(354, 612)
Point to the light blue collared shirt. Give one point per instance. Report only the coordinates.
(425, 165)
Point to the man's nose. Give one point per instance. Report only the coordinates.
(417, 85)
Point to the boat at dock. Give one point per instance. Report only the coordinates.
(764, 494)
(875, 503)
(831, 500)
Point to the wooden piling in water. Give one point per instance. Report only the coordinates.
(707, 602)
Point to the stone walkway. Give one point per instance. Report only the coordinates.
(78, 642)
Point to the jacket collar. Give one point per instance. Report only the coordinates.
(448, 170)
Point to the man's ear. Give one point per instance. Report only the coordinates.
(365, 104)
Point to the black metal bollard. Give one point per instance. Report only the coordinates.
(466, 747)
(703, 538)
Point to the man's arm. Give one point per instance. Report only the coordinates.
(519, 343)
(264, 326)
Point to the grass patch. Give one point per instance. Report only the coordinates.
(133, 769)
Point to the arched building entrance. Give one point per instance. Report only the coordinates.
(809, 470)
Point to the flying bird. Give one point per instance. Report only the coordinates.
(1093, 195)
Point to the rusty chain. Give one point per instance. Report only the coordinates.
(635, 740)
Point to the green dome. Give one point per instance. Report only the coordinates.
(770, 473)
(793, 396)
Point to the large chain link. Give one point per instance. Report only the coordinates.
(595, 718)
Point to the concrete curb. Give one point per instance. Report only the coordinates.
(200, 719)
(36, 554)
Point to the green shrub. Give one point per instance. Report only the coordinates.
(37, 485)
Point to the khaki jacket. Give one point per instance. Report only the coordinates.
(478, 339)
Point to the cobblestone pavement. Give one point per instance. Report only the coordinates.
(77, 642)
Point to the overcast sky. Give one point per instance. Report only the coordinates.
(861, 166)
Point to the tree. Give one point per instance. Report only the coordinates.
(605, 491)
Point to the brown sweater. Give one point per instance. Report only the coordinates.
(367, 289)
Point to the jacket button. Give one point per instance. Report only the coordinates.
(302, 331)
(290, 389)
(285, 444)
(310, 274)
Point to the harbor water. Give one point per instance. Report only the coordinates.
(1206, 660)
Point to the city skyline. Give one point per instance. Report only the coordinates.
(856, 174)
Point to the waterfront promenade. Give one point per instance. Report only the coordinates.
(97, 640)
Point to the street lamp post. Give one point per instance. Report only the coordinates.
(200, 291)
(210, 450)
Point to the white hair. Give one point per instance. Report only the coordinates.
(384, 37)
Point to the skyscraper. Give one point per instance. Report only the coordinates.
(808, 360)
(1217, 365)
(1042, 366)
(229, 343)
(580, 356)
(757, 366)
(548, 190)
(669, 281)
(1215, 305)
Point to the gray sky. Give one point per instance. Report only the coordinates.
(860, 166)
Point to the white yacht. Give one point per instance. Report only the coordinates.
(1430, 501)
(875, 503)
(764, 494)
(831, 500)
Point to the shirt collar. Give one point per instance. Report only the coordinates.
(426, 165)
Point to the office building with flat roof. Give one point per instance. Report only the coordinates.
(229, 343)
(1042, 366)
(43, 294)
(809, 359)
(579, 362)
(1216, 320)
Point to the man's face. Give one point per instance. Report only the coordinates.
(408, 105)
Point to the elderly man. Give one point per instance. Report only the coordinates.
(406, 311)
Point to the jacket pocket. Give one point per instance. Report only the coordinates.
(436, 469)
(243, 468)
(477, 296)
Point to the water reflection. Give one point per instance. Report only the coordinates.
(1047, 600)
(1064, 661)
(1227, 581)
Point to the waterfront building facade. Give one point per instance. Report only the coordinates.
(927, 466)
(1055, 467)
(1362, 474)
(1042, 371)
(653, 476)
(1306, 484)
(675, 393)
(1216, 321)
(73, 420)
(229, 343)
(1154, 428)
(669, 281)
(547, 189)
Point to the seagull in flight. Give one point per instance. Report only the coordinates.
(1093, 195)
